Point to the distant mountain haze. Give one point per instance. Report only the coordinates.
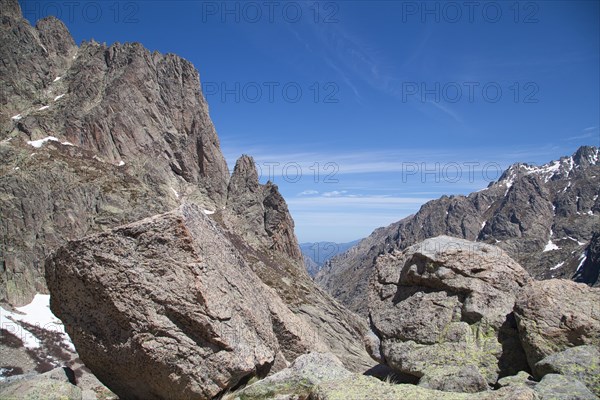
(317, 253)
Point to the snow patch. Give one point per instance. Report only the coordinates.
(58, 78)
(575, 240)
(557, 266)
(38, 314)
(590, 212)
(121, 163)
(550, 246)
(175, 191)
(571, 165)
(57, 98)
(39, 143)
(43, 108)
(548, 171)
(208, 212)
(582, 258)
(593, 159)
(16, 117)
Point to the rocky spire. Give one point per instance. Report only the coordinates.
(260, 209)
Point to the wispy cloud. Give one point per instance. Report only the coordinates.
(372, 161)
(447, 110)
(586, 133)
(357, 202)
(335, 193)
(308, 193)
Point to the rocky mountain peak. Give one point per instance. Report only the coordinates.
(10, 8)
(586, 155)
(245, 175)
(583, 158)
(279, 224)
(55, 36)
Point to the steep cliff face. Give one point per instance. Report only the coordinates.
(544, 217)
(92, 137)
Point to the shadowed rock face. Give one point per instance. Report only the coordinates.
(525, 210)
(441, 310)
(554, 315)
(589, 268)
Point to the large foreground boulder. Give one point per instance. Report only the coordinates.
(168, 308)
(441, 310)
(554, 315)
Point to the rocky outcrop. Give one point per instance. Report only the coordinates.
(116, 133)
(442, 311)
(559, 387)
(543, 217)
(321, 376)
(171, 295)
(581, 363)
(53, 385)
(554, 315)
(363, 387)
(297, 381)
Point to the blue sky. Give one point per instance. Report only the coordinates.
(363, 110)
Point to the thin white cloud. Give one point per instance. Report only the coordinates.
(357, 202)
(335, 193)
(585, 133)
(446, 110)
(308, 193)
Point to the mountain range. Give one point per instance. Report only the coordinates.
(546, 217)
